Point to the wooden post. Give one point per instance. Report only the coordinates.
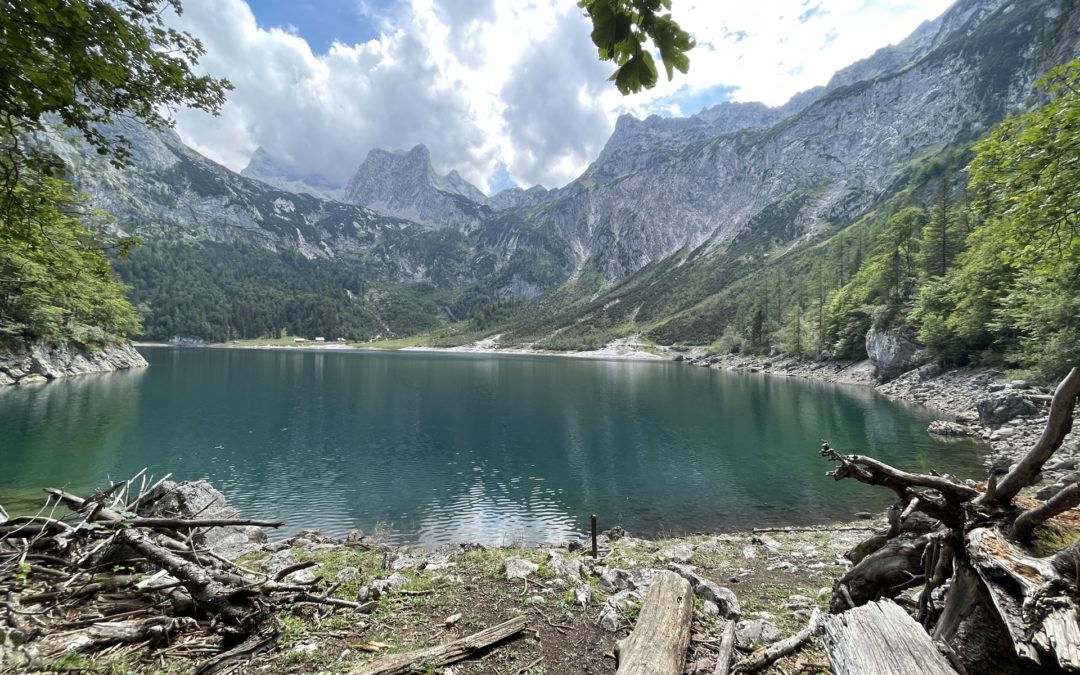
(594, 552)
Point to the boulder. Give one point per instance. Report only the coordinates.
(199, 499)
(282, 560)
(676, 552)
(709, 591)
(566, 569)
(516, 568)
(893, 352)
(756, 633)
(945, 428)
(615, 579)
(1000, 407)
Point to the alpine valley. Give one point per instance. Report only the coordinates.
(741, 224)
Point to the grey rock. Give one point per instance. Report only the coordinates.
(564, 568)
(615, 579)
(756, 633)
(282, 560)
(384, 586)
(1003, 407)
(516, 568)
(945, 428)
(892, 352)
(40, 361)
(724, 598)
(347, 574)
(678, 552)
(582, 594)
(930, 371)
(615, 607)
(199, 499)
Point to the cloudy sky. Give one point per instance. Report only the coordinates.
(506, 92)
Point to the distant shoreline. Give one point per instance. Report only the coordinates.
(624, 353)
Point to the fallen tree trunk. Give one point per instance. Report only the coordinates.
(442, 655)
(881, 638)
(657, 646)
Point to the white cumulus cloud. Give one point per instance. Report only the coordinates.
(487, 85)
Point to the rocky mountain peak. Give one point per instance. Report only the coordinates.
(404, 184)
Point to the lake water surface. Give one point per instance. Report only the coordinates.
(439, 448)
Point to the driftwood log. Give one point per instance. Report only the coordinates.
(880, 637)
(983, 597)
(657, 645)
(444, 654)
(727, 647)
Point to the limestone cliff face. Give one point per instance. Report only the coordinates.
(39, 362)
(171, 192)
(404, 185)
(661, 185)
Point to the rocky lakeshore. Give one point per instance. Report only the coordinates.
(1009, 415)
(397, 599)
(39, 362)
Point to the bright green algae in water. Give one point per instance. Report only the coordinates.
(439, 448)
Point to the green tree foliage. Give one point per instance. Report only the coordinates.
(53, 279)
(1014, 293)
(622, 32)
(81, 64)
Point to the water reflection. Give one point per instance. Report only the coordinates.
(446, 448)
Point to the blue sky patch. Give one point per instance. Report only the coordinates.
(320, 22)
(691, 101)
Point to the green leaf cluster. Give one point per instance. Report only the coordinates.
(623, 31)
(79, 64)
(55, 282)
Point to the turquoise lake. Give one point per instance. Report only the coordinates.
(440, 448)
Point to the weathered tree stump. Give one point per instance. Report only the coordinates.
(883, 639)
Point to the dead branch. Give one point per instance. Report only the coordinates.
(774, 652)
(445, 654)
(881, 638)
(1027, 521)
(1058, 425)
(872, 472)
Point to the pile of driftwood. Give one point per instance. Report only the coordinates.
(107, 581)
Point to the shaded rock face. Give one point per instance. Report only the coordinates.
(199, 499)
(40, 361)
(892, 352)
(404, 185)
(1005, 406)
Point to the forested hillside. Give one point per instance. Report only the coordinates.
(975, 256)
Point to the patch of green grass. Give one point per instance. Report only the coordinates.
(1051, 538)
